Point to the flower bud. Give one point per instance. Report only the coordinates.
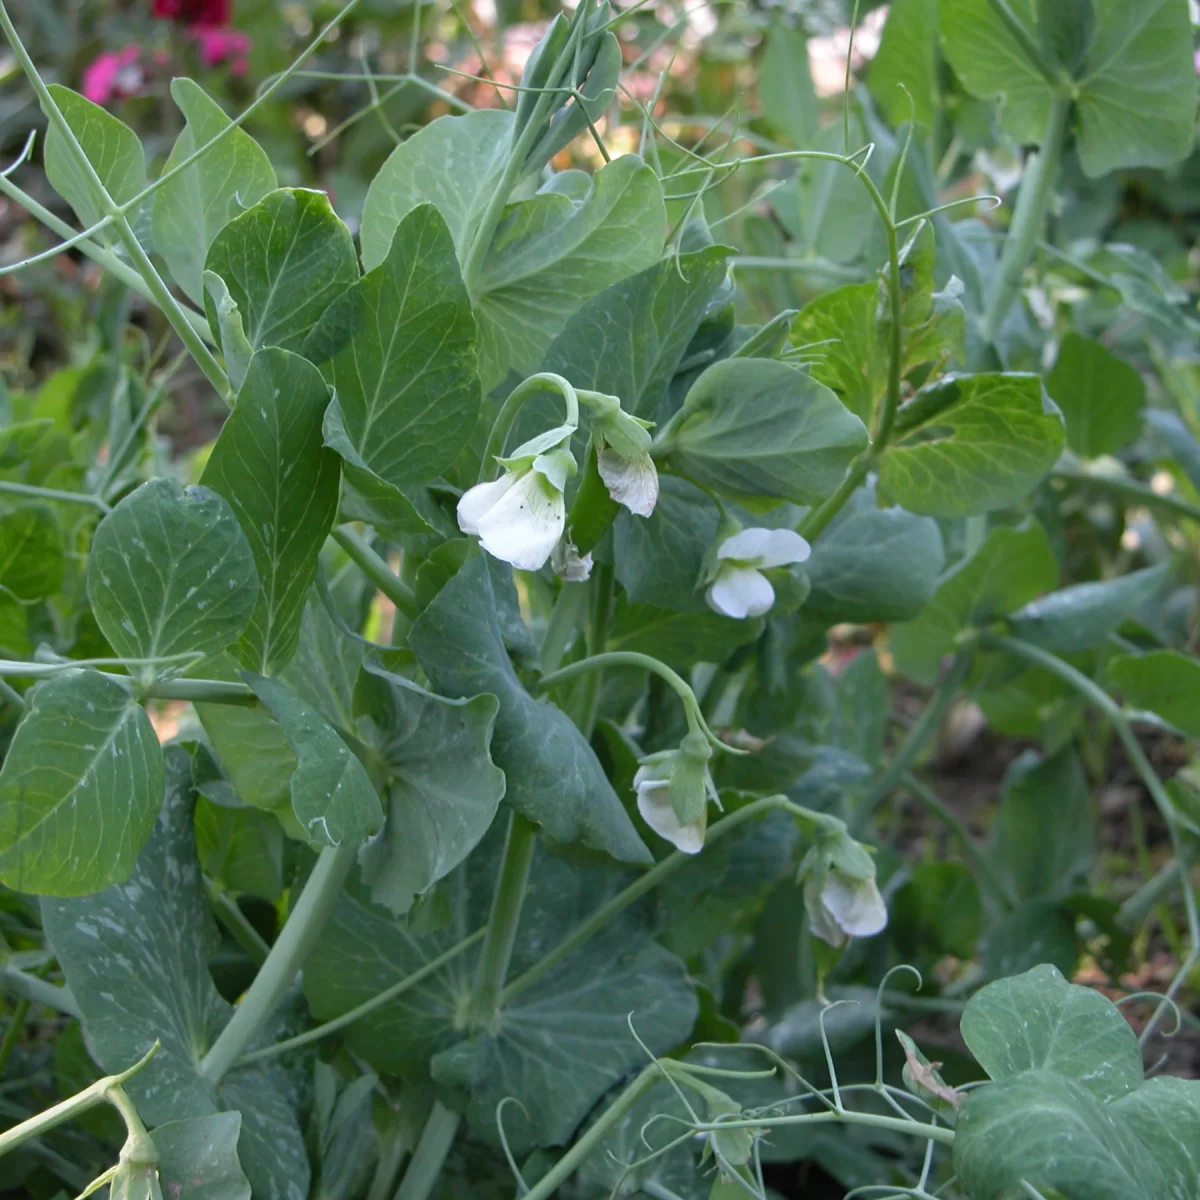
(623, 454)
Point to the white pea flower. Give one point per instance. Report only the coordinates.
(673, 790)
(841, 906)
(520, 517)
(739, 588)
(623, 454)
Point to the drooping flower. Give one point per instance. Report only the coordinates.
(623, 454)
(520, 517)
(113, 75)
(840, 893)
(739, 588)
(673, 790)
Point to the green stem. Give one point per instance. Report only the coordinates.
(91, 1096)
(15, 1024)
(217, 691)
(623, 658)
(587, 702)
(848, 1116)
(38, 991)
(919, 735)
(1128, 489)
(646, 883)
(986, 872)
(232, 917)
(425, 1167)
(41, 493)
(377, 571)
(818, 520)
(886, 416)
(367, 1006)
(507, 902)
(1149, 896)
(564, 618)
(287, 956)
(1033, 202)
(513, 403)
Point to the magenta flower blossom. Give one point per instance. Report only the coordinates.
(219, 45)
(113, 75)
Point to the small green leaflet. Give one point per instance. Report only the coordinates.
(443, 789)
(171, 573)
(971, 443)
(111, 147)
(31, 553)
(283, 262)
(191, 208)
(135, 957)
(332, 795)
(1163, 682)
(398, 348)
(553, 776)
(72, 821)
(1101, 396)
(271, 464)
(756, 427)
(197, 1158)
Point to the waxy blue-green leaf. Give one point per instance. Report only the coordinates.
(1050, 1130)
(554, 251)
(1134, 88)
(191, 208)
(873, 564)
(111, 147)
(136, 957)
(198, 1160)
(31, 553)
(449, 163)
(272, 466)
(1039, 1020)
(284, 261)
(171, 573)
(972, 443)
(755, 427)
(679, 639)
(443, 788)
(332, 794)
(1163, 682)
(1079, 617)
(1101, 396)
(1010, 568)
(553, 776)
(80, 788)
(1164, 1115)
(398, 349)
(903, 76)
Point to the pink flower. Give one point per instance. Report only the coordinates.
(114, 74)
(218, 45)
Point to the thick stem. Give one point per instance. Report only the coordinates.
(564, 618)
(818, 520)
(41, 493)
(425, 1167)
(38, 991)
(507, 902)
(377, 571)
(587, 701)
(1033, 202)
(287, 956)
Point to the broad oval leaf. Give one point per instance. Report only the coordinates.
(1163, 682)
(972, 443)
(191, 208)
(31, 552)
(1039, 1020)
(80, 788)
(171, 573)
(553, 776)
(272, 466)
(283, 262)
(755, 427)
(398, 348)
(1101, 396)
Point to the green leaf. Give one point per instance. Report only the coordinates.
(785, 86)
(680, 639)
(1101, 396)
(938, 911)
(111, 147)
(553, 777)
(31, 553)
(556, 1047)
(332, 795)
(1036, 933)
(449, 163)
(906, 62)
(757, 427)
(1164, 1115)
(273, 468)
(1134, 87)
(398, 349)
(1079, 617)
(80, 787)
(171, 573)
(443, 789)
(136, 960)
(1039, 1020)
(972, 443)
(1044, 836)
(850, 357)
(1010, 568)
(231, 337)
(873, 564)
(191, 208)
(197, 1158)
(284, 262)
(553, 252)
(240, 847)
(1163, 682)
(1049, 1129)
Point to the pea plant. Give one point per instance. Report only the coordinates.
(455, 781)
